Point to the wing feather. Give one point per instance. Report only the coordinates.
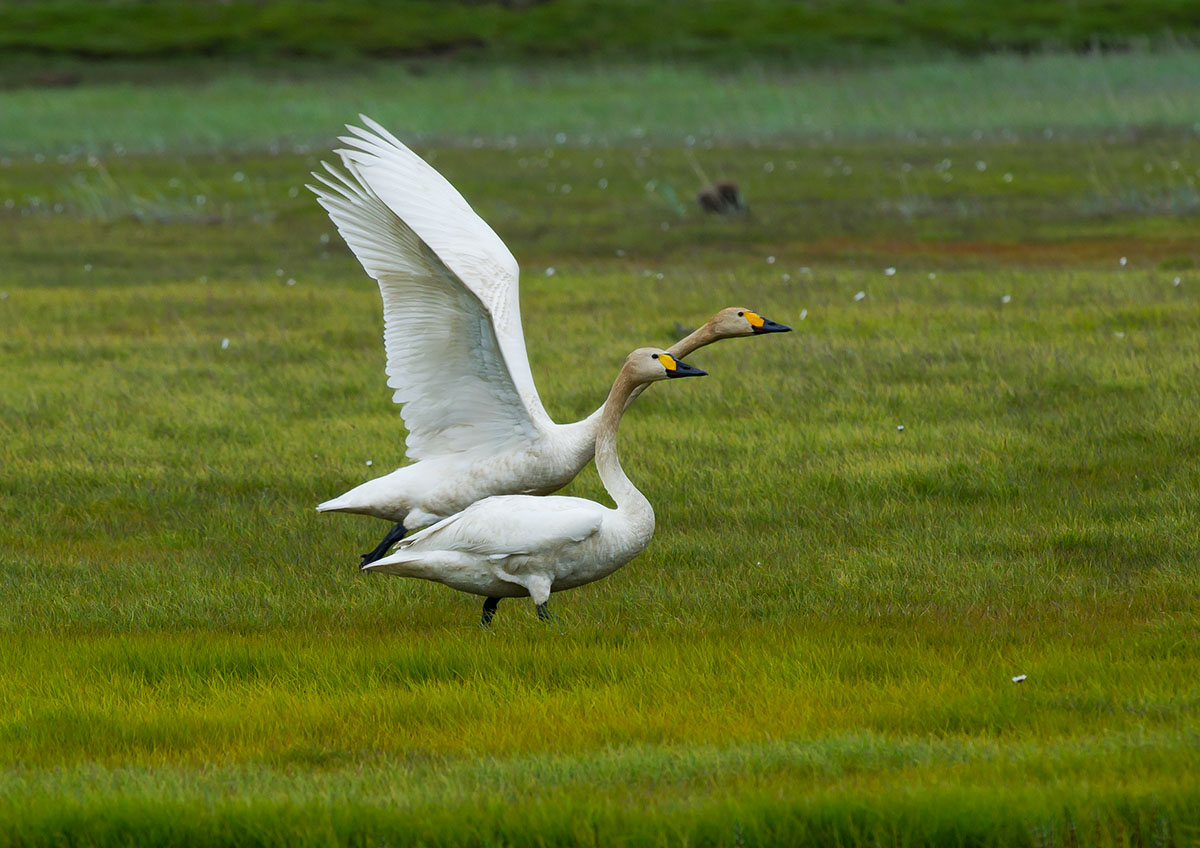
(444, 359)
(443, 220)
(510, 525)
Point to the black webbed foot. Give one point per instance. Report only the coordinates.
(543, 611)
(393, 536)
(489, 610)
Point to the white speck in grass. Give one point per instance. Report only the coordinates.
(1005, 298)
(905, 167)
(946, 178)
(860, 295)
(664, 226)
(847, 170)
(10, 203)
(1020, 678)
(278, 272)
(620, 251)
(981, 165)
(477, 142)
(224, 344)
(1118, 334)
(294, 191)
(3, 295)
(1174, 164)
(566, 189)
(803, 314)
(39, 158)
(1008, 177)
(900, 428)
(87, 266)
(1123, 260)
(324, 239)
(1048, 133)
(597, 163)
(602, 182)
(791, 166)
(1176, 281)
(770, 260)
(932, 275)
(291, 281)
(658, 276)
(651, 185)
(690, 141)
(370, 462)
(239, 177)
(550, 271)
(787, 278)
(560, 138)
(889, 271)
(804, 269)
(201, 200)
(768, 166)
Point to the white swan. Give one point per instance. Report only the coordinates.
(509, 546)
(455, 349)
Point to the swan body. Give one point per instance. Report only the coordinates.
(456, 354)
(515, 545)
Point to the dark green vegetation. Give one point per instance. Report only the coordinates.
(838, 31)
(817, 648)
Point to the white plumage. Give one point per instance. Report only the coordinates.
(456, 354)
(514, 545)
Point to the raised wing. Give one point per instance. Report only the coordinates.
(443, 357)
(442, 218)
(508, 525)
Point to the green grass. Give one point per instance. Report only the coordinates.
(818, 646)
(1000, 98)
(713, 30)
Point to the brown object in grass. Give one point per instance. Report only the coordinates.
(724, 198)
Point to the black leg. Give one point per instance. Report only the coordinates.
(543, 611)
(393, 536)
(489, 610)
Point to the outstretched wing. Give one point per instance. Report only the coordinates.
(444, 359)
(509, 525)
(442, 218)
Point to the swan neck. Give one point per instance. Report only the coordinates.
(692, 342)
(615, 481)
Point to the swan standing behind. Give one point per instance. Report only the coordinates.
(455, 348)
(514, 545)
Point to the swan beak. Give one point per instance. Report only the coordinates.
(679, 368)
(769, 326)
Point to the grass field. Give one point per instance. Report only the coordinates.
(819, 645)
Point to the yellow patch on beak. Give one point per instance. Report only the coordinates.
(755, 319)
(667, 361)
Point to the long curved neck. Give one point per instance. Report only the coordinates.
(618, 485)
(695, 340)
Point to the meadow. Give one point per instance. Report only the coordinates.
(975, 459)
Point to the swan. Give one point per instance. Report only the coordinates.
(510, 546)
(455, 349)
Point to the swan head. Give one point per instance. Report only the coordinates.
(649, 364)
(739, 321)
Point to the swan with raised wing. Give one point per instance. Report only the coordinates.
(455, 349)
(510, 546)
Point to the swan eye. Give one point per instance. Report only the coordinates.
(654, 356)
(741, 314)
